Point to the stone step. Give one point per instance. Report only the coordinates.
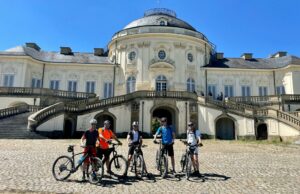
(15, 127)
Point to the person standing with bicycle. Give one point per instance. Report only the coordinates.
(134, 139)
(168, 137)
(90, 136)
(194, 140)
(105, 137)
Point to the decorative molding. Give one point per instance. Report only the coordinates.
(167, 60)
(73, 76)
(10, 70)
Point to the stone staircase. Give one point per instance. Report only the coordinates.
(15, 127)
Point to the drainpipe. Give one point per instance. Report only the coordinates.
(42, 84)
(274, 83)
(186, 115)
(143, 116)
(205, 54)
(43, 74)
(205, 81)
(115, 64)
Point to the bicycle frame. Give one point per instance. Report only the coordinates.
(75, 168)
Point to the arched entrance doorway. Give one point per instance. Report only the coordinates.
(68, 129)
(103, 117)
(167, 112)
(225, 129)
(262, 132)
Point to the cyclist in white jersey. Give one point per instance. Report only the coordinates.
(194, 140)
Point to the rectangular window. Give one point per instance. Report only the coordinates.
(72, 86)
(54, 84)
(161, 86)
(9, 80)
(280, 90)
(228, 90)
(90, 87)
(108, 89)
(246, 91)
(36, 83)
(212, 91)
(263, 91)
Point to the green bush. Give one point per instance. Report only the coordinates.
(155, 124)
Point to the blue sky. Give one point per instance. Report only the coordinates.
(261, 27)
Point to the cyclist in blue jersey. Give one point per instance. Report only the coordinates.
(168, 137)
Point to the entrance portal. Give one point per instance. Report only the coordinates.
(103, 117)
(160, 112)
(225, 129)
(262, 132)
(68, 129)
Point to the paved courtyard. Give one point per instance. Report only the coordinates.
(228, 167)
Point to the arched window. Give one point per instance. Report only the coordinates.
(190, 85)
(130, 84)
(161, 83)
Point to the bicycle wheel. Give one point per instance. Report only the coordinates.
(95, 170)
(62, 168)
(157, 159)
(183, 162)
(139, 166)
(188, 167)
(118, 166)
(163, 166)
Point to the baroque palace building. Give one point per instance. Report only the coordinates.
(155, 66)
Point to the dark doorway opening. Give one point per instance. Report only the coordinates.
(262, 132)
(225, 129)
(68, 129)
(101, 118)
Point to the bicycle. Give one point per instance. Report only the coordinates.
(138, 163)
(118, 164)
(64, 166)
(161, 159)
(186, 159)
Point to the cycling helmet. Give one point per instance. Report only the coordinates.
(135, 123)
(93, 121)
(107, 122)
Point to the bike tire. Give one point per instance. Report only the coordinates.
(183, 162)
(157, 160)
(139, 166)
(67, 166)
(118, 166)
(188, 170)
(164, 166)
(95, 170)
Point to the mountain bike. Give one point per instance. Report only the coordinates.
(186, 159)
(118, 164)
(161, 159)
(64, 166)
(138, 163)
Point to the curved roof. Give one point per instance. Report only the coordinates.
(154, 16)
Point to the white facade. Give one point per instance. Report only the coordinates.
(154, 57)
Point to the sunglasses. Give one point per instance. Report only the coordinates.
(190, 125)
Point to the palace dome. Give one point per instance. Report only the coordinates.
(160, 17)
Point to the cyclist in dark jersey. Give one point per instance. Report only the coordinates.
(134, 138)
(90, 136)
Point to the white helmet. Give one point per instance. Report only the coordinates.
(93, 121)
(135, 123)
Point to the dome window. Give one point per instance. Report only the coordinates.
(131, 55)
(161, 54)
(162, 23)
(190, 57)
